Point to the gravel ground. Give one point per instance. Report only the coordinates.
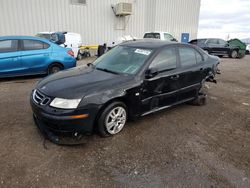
(184, 146)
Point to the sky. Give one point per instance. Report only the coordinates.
(220, 18)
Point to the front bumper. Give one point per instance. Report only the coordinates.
(60, 121)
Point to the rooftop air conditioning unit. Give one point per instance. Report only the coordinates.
(123, 9)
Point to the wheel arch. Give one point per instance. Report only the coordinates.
(116, 99)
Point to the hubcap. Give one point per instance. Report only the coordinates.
(116, 120)
(55, 69)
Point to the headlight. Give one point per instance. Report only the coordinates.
(65, 103)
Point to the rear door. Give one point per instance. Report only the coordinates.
(9, 58)
(161, 90)
(223, 46)
(192, 73)
(35, 55)
(213, 46)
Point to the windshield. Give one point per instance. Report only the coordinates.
(46, 36)
(122, 59)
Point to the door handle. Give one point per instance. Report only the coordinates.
(175, 77)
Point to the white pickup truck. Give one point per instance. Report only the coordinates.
(160, 35)
(70, 40)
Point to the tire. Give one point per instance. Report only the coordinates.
(220, 56)
(201, 99)
(79, 56)
(54, 68)
(108, 126)
(234, 54)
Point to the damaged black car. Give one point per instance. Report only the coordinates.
(131, 80)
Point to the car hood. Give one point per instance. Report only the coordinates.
(79, 82)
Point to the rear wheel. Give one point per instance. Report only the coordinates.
(201, 99)
(112, 119)
(54, 68)
(234, 54)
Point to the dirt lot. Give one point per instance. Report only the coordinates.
(185, 146)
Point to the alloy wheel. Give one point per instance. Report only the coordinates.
(115, 120)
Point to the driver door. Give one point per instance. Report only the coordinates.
(161, 89)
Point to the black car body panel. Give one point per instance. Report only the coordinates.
(215, 46)
(142, 94)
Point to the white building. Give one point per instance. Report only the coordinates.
(95, 20)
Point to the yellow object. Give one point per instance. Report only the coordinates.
(93, 47)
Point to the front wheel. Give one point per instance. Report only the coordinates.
(112, 119)
(234, 54)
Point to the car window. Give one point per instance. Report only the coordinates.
(168, 37)
(187, 56)
(165, 60)
(8, 46)
(212, 41)
(222, 42)
(152, 35)
(34, 45)
(199, 58)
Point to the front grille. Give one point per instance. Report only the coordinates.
(40, 98)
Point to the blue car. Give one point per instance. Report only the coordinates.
(25, 55)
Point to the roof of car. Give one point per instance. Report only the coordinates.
(22, 38)
(147, 43)
(157, 32)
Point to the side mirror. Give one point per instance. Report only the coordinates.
(150, 73)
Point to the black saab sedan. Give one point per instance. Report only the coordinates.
(131, 80)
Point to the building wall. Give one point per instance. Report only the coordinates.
(96, 21)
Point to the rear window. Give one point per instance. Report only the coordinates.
(34, 45)
(46, 36)
(8, 46)
(152, 35)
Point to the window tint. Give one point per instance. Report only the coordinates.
(165, 60)
(187, 56)
(34, 45)
(8, 46)
(168, 37)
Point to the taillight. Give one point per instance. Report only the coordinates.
(71, 53)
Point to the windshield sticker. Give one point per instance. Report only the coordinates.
(141, 51)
